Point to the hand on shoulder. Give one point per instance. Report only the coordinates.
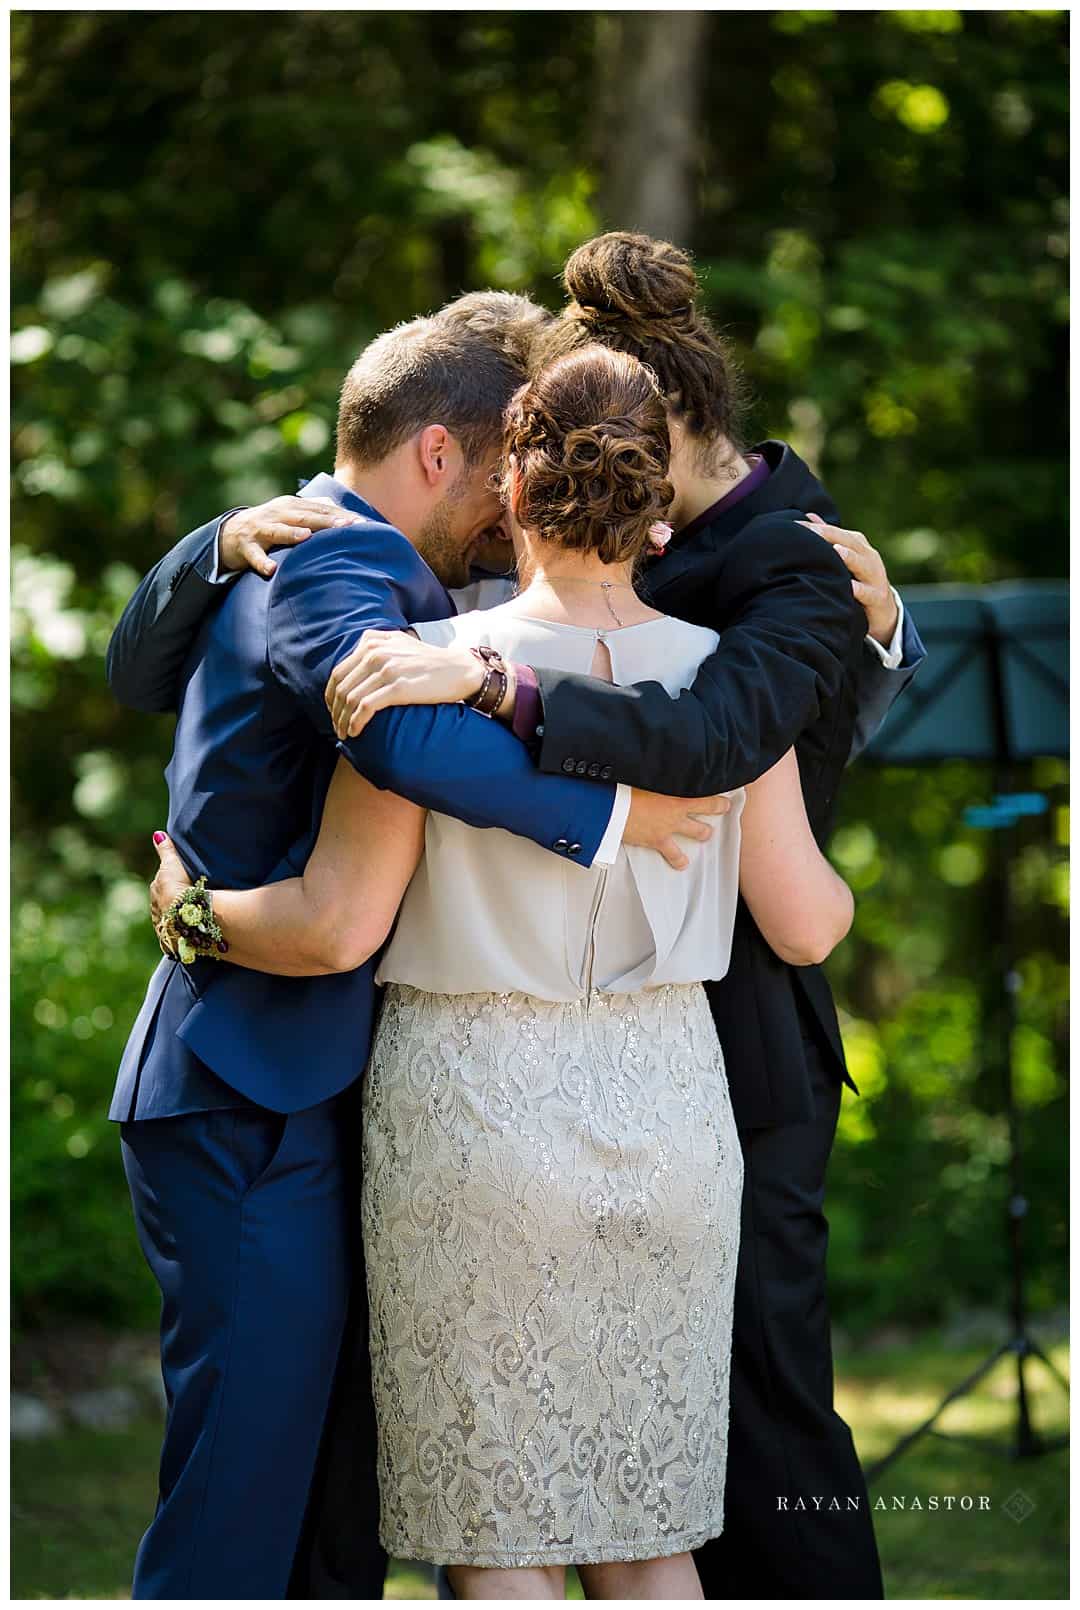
(870, 580)
(247, 536)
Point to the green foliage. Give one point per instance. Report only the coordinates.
(80, 965)
(919, 1184)
(214, 212)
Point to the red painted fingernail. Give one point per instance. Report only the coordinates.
(159, 838)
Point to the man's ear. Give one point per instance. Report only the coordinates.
(434, 445)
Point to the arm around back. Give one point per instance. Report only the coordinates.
(802, 907)
(878, 688)
(161, 621)
(339, 911)
(444, 757)
(789, 628)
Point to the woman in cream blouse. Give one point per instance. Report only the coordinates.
(552, 1175)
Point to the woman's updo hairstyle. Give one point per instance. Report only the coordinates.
(589, 442)
(641, 295)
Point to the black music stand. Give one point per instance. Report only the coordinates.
(995, 688)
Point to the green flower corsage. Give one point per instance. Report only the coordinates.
(189, 929)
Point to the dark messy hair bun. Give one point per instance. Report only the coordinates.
(640, 295)
(631, 278)
(589, 440)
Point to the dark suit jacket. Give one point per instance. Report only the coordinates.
(792, 668)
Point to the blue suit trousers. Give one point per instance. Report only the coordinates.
(242, 1215)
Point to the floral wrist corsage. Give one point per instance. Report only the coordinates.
(188, 928)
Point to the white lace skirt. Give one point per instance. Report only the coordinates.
(551, 1225)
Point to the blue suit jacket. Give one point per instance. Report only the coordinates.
(252, 761)
(787, 671)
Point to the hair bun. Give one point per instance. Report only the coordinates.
(638, 295)
(589, 440)
(630, 276)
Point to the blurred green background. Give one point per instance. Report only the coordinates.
(213, 211)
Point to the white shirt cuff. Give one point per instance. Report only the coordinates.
(611, 843)
(217, 574)
(893, 656)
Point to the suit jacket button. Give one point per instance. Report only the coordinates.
(581, 768)
(568, 765)
(594, 770)
(561, 844)
(575, 849)
(605, 773)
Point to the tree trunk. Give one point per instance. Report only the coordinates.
(650, 72)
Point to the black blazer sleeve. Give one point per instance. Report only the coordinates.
(155, 633)
(789, 626)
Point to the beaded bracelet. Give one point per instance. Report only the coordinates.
(188, 928)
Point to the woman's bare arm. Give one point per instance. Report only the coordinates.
(337, 914)
(801, 905)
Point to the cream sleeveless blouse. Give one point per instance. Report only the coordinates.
(489, 911)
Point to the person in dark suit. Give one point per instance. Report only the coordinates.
(746, 562)
(793, 667)
(229, 1091)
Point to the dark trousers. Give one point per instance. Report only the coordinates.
(340, 1556)
(786, 1442)
(242, 1217)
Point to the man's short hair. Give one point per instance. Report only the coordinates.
(431, 371)
(513, 321)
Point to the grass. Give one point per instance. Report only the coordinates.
(956, 1554)
(81, 1501)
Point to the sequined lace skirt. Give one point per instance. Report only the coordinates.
(551, 1223)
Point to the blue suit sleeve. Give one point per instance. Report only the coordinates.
(444, 757)
(879, 688)
(154, 635)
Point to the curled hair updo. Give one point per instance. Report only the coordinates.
(640, 295)
(589, 440)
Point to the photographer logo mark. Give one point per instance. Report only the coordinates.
(1018, 1506)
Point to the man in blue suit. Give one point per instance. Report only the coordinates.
(229, 1089)
(794, 666)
